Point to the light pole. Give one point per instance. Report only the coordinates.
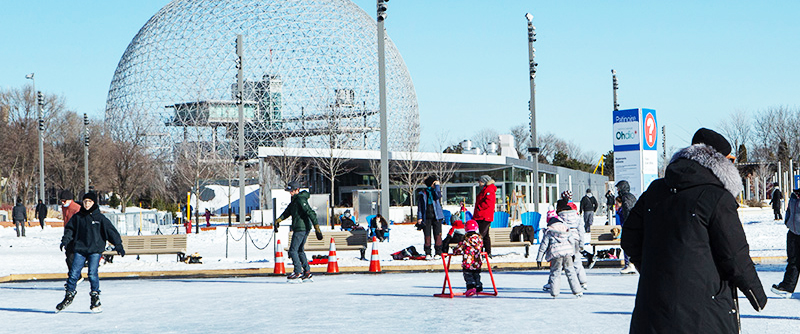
(384, 117)
(40, 98)
(85, 153)
(240, 103)
(615, 86)
(534, 149)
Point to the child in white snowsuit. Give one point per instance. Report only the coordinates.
(471, 248)
(574, 223)
(557, 248)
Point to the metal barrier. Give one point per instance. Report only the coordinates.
(147, 222)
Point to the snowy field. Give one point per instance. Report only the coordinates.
(388, 302)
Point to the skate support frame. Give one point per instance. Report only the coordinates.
(447, 285)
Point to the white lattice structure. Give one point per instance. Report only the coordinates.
(310, 72)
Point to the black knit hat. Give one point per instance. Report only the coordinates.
(293, 185)
(90, 195)
(66, 195)
(713, 139)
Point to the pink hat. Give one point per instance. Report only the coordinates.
(472, 226)
(551, 214)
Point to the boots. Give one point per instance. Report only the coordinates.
(70, 295)
(95, 307)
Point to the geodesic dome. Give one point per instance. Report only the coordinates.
(310, 71)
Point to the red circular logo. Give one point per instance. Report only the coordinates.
(650, 130)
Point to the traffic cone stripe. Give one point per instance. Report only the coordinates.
(374, 262)
(333, 266)
(280, 268)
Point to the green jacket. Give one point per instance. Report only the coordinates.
(302, 214)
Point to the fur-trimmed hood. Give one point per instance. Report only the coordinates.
(680, 173)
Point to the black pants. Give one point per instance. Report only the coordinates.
(793, 266)
(777, 211)
(483, 227)
(473, 279)
(451, 239)
(432, 225)
(41, 222)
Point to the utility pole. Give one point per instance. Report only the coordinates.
(384, 117)
(663, 149)
(85, 153)
(240, 102)
(534, 149)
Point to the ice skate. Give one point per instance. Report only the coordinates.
(70, 295)
(579, 295)
(471, 292)
(780, 291)
(307, 277)
(585, 286)
(546, 287)
(629, 269)
(294, 278)
(95, 306)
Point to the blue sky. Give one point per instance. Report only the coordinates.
(694, 62)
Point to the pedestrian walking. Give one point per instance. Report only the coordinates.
(627, 201)
(587, 209)
(88, 231)
(430, 216)
(685, 237)
(610, 202)
(303, 218)
(485, 203)
(208, 218)
(777, 196)
(41, 213)
(20, 215)
(792, 219)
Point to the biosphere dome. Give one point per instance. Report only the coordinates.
(310, 74)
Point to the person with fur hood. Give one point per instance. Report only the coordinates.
(557, 247)
(685, 237)
(471, 248)
(485, 201)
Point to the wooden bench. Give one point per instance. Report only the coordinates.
(153, 245)
(501, 237)
(602, 236)
(345, 240)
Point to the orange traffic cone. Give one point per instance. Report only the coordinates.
(374, 261)
(279, 267)
(333, 266)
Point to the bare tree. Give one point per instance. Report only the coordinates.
(289, 166)
(737, 127)
(482, 138)
(522, 139)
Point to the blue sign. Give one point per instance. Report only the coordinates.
(797, 182)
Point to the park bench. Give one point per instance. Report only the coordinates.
(152, 245)
(601, 236)
(501, 237)
(345, 240)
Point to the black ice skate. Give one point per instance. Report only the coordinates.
(70, 295)
(294, 278)
(307, 277)
(95, 307)
(781, 291)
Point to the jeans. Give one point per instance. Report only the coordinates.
(297, 252)
(792, 266)
(473, 279)
(588, 220)
(77, 265)
(20, 227)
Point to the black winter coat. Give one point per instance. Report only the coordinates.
(628, 200)
(588, 204)
(19, 213)
(777, 196)
(89, 230)
(685, 238)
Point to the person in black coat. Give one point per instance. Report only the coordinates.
(587, 209)
(88, 231)
(41, 213)
(610, 201)
(777, 196)
(685, 237)
(20, 215)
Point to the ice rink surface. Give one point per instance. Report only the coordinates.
(352, 303)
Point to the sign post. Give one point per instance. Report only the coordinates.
(635, 149)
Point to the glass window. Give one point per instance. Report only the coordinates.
(456, 195)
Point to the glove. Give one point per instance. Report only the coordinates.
(61, 246)
(121, 252)
(276, 224)
(317, 232)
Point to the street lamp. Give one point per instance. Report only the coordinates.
(381, 17)
(40, 99)
(86, 152)
(615, 86)
(534, 148)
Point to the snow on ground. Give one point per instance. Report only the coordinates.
(388, 302)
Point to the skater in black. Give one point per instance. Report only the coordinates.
(303, 218)
(88, 231)
(41, 213)
(777, 196)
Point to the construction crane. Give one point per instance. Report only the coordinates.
(600, 165)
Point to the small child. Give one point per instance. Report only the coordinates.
(557, 248)
(456, 234)
(471, 248)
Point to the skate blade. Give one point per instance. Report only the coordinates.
(97, 310)
(308, 280)
(782, 294)
(294, 281)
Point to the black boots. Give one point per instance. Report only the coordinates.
(95, 307)
(67, 300)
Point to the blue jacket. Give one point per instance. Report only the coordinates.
(422, 203)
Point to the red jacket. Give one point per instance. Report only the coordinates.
(69, 211)
(485, 203)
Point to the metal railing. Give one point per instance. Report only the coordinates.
(143, 222)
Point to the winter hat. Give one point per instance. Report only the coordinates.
(486, 179)
(566, 194)
(713, 139)
(66, 195)
(472, 225)
(562, 205)
(293, 185)
(588, 190)
(551, 214)
(458, 225)
(90, 195)
(430, 180)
